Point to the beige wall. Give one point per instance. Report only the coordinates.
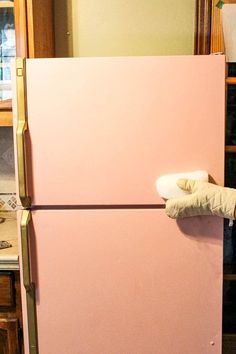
(132, 27)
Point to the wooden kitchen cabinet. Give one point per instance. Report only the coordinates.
(9, 342)
(10, 313)
(26, 31)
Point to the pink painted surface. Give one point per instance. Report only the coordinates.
(126, 281)
(103, 129)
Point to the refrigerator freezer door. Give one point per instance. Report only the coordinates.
(102, 130)
(126, 281)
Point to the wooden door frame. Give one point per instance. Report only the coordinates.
(21, 28)
(202, 38)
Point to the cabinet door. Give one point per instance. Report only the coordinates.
(9, 336)
(126, 281)
(7, 292)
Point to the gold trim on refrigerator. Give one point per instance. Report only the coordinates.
(21, 128)
(29, 286)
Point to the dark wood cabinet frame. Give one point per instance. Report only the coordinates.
(202, 40)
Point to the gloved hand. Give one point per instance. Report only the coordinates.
(204, 199)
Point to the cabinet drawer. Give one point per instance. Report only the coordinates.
(7, 294)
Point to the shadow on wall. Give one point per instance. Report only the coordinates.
(197, 227)
(63, 28)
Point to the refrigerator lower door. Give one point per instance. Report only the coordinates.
(125, 281)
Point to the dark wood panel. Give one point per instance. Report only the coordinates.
(229, 344)
(7, 294)
(9, 343)
(3, 341)
(11, 318)
(202, 42)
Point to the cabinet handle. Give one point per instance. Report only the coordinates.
(21, 128)
(29, 286)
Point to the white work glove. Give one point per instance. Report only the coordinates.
(203, 199)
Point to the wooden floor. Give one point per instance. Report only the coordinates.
(229, 344)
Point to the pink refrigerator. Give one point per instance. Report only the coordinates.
(104, 270)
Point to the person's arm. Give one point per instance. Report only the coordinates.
(203, 199)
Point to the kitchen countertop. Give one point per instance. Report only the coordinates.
(8, 232)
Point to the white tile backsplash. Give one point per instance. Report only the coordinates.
(8, 202)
